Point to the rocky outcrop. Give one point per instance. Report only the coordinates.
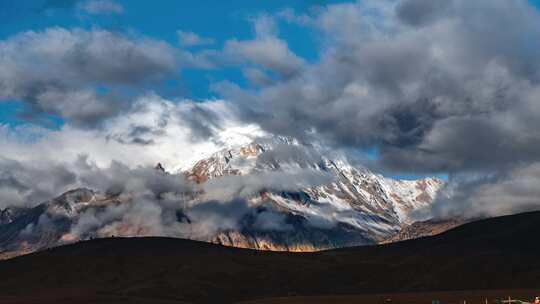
(423, 229)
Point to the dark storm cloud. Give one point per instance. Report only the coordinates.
(202, 122)
(459, 92)
(29, 184)
(138, 131)
(421, 12)
(138, 135)
(119, 178)
(461, 144)
(57, 70)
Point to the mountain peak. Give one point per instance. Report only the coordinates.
(274, 193)
(160, 167)
(374, 206)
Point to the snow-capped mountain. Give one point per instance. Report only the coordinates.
(357, 206)
(272, 193)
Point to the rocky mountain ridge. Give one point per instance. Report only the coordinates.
(294, 197)
(358, 200)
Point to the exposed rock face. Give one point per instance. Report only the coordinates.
(159, 167)
(353, 206)
(6, 216)
(47, 224)
(16, 237)
(297, 242)
(423, 229)
(362, 207)
(301, 237)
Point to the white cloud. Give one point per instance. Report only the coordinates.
(265, 50)
(102, 7)
(154, 130)
(188, 38)
(269, 52)
(56, 70)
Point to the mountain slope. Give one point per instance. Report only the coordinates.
(355, 207)
(497, 253)
(424, 228)
(272, 194)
